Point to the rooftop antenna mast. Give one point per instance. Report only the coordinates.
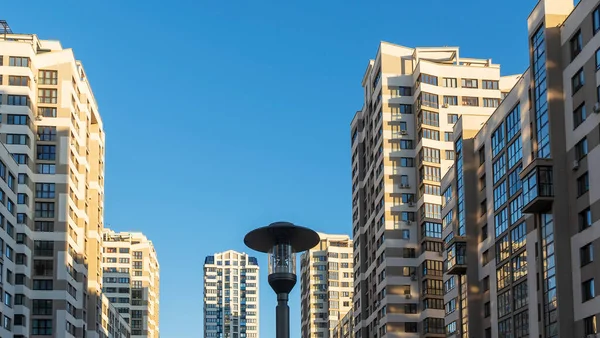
(5, 28)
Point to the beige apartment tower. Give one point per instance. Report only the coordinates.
(326, 285)
(51, 126)
(401, 146)
(522, 246)
(231, 293)
(132, 280)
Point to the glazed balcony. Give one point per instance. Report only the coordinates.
(538, 186)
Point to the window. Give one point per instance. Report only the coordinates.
(503, 276)
(583, 184)
(498, 140)
(522, 325)
(489, 84)
(429, 134)
(448, 136)
(581, 149)
(519, 266)
(469, 83)
(48, 77)
(499, 168)
(429, 155)
(428, 100)
(577, 81)
(514, 181)
(587, 290)
(21, 139)
(18, 80)
(486, 310)
(404, 91)
(589, 324)
(21, 158)
(44, 209)
(22, 198)
(16, 61)
(429, 118)
(18, 100)
(491, 102)
(504, 302)
(46, 169)
(407, 162)
(576, 45)
(513, 122)
(430, 229)
(499, 195)
(41, 327)
(586, 254)
(596, 20)
(501, 222)
(579, 115)
(44, 190)
(450, 82)
(598, 59)
(514, 153)
(451, 100)
(43, 248)
(47, 95)
(23, 179)
(452, 118)
(585, 219)
(47, 111)
(17, 119)
(41, 307)
(482, 155)
(449, 154)
(470, 101)
(502, 249)
(429, 79)
(46, 152)
(46, 133)
(518, 236)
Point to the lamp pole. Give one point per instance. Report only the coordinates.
(281, 241)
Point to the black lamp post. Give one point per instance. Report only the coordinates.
(282, 240)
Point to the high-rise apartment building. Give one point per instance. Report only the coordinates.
(326, 285)
(54, 191)
(521, 257)
(132, 280)
(402, 144)
(231, 285)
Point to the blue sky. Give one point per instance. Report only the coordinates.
(222, 116)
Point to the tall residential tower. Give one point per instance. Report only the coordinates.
(52, 128)
(326, 285)
(132, 280)
(231, 295)
(401, 144)
(522, 256)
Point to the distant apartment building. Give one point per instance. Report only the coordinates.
(231, 293)
(326, 285)
(52, 193)
(401, 145)
(523, 197)
(132, 280)
(116, 326)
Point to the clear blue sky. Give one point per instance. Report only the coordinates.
(222, 116)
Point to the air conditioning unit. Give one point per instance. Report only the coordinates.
(39, 117)
(413, 277)
(408, 296)
(575, 165)
(408, 222)
(445, 105)
(441, 253)
(411, 204)
(403, 132)
(597, 107)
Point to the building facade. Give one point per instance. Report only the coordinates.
(52, 129)
(522, 260)
(132, 280)
(231, 293)
(326, 285)
(402, 144)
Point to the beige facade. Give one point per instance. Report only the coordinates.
(132, 280)
(402, 144)
(526, 262)
(231, 296)
(326, 285)
(51, 126)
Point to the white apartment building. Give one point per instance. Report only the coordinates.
(53, 198)
(132, 280)
(231, 293)
(326, 285)
(402, 144)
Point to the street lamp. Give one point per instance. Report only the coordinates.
(282, 240)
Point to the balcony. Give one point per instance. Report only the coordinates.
(456, 262)
(538, 186)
